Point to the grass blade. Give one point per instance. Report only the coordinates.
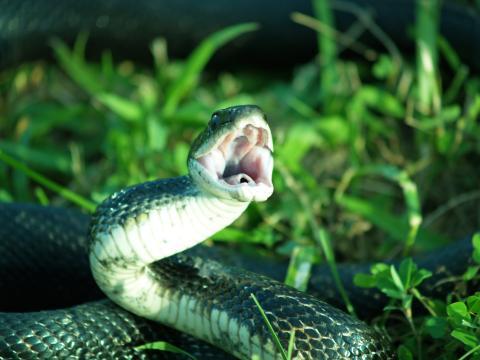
(396, 227)
(322, 237)
(49, 184)
(291, 344)
(327, 48)
(125, 108)
(164, 346)
(427, 55)
(410, 193)
(197, 61)
(41, 158)
(73, 62)
(319, 234)
(275, 338)
(299, 268)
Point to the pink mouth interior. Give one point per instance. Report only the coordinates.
(241, 158)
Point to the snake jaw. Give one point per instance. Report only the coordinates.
(239, 164)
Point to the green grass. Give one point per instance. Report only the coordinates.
(286, 355)
(384, 163)
(164, 346)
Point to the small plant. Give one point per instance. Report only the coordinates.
(457, 323)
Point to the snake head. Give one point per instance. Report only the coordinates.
(232, 158)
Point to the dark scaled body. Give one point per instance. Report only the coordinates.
(321, 331)
(37, 243)
(97, 329)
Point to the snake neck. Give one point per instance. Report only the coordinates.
(145, 223)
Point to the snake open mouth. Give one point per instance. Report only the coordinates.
(241, 158)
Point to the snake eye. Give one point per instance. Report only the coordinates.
(215, 121)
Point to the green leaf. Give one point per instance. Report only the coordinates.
(124, 108)
(379, 268)
(164, 346)
(381, 101)
(428, 92)
(419, 276)
(447, 115)
(404, 353)
(5, 196)
(261, 235)
(197, 61)
(397, 228)
(473, 303)
(458, 311)
(180, 153)
(406, 269)
(471, 272)
(476, 247)
(436, 327)
(334, 129)
(157, 133)
(396, 279)
(42, 159)
(301, 137)
(392, 308)
(47, 115)
(449, 53)
(407, 301)
(387, 285)
(41, 196)
(49, 184)
(299, 268)
(384, 67)
(465, 337)
(75, 66)
(392, 293)
(364, 280)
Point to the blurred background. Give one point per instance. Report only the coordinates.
(374, 106)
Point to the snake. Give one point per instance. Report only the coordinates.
(137, 230)
(153, 290)
(136, 245)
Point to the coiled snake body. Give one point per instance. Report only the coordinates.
(197, 295)
(230, 165)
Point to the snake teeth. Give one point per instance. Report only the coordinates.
(241, 158)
